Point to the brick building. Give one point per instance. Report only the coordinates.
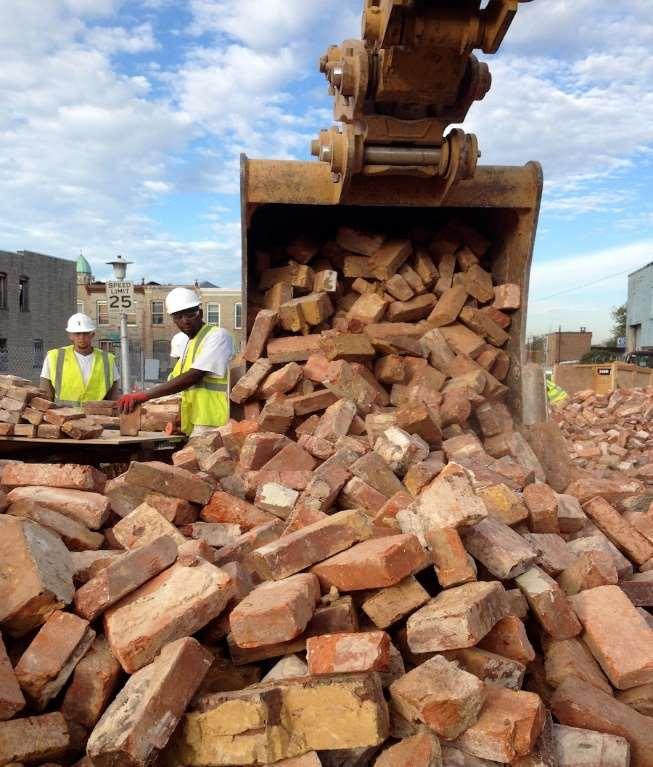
(566, 346)
(37, 295)
(149, 327)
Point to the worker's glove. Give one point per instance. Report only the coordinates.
(127, 403)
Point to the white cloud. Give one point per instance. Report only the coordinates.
(112, 40)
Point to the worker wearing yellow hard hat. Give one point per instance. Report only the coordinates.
(202, 371)
(79, 372)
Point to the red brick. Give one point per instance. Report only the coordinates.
(589, 570)
(292, 455)
(618, 530)
(391, 604)
(259, 334)
(499, 548)
(420, 750)
(303, 548)
(453, 565)
(275, 612)
(240, 549)
(448, 307)
(375, 563)
(139, 722)
(258, 448)
(124, 498)
(439, 694)
(36, 574)
(508, 638)
(549, 603)
(169, 480)
(176, 603)
(542, 505)
(35, 739)
(75, 535)
(346, 653)
(336, 421)
(93, 684)
(44, 668)
(293, 348)
(489, 667)
(507, 296)
(66, 475)
(11, 698)
(224, 507)
(508, 727)
(570, 657)
(142, 526)
(124, 576)
(90, 509)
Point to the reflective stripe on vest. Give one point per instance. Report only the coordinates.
(206, 403)
(92, 389)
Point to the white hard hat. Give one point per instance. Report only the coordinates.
(178, 344)
(179, 299)
(80, 323)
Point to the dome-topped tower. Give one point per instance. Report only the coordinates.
(84, 274)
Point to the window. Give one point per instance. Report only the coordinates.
(3, 290)
(213, 314)
(238, 316)
(106, 346)
(157, 312)
(101, 312)
(23, 294)
(4, 356)
(80, 307)
(131, 319)
(37, 353)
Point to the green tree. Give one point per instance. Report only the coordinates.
(618, 315)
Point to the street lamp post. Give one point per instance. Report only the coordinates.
(120, 272)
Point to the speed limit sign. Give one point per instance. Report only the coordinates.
(120, 296)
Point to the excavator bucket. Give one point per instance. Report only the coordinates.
(283, 201)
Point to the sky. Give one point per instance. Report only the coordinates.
(122, 122)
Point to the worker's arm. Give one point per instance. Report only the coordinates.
(114, 392)
(129, 401)
(47, 388)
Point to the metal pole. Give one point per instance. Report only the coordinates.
(124, 355)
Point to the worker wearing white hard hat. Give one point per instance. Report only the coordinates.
(79, 373)
(202, 371)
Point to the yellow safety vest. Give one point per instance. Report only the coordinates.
(68, 382)
(555, 394)
(206, 403)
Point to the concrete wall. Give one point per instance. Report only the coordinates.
(39, 326)
(639, 317)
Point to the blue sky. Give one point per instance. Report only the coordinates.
(123, 120)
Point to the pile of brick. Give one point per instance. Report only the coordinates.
(24, 412)
(373, 567)
(610, 434)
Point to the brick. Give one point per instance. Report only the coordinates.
(639, 589)
(508, 727)
(577, 704)
(457, 618)
(93, 684)
(36, 574)
(142, 526)
(33, 416)
(292, 349)
(225, 508)
(358, 240)
(448, 307)
(478, 284)
(276, 416)
(240, 549)
(413, 310)
(322, 713)
(59, 416)
(323, 488)
(300, 313)
(169, 480)
(626, 656)
(85, 428)
(437, 349)
(598, 542)
(419, 475)
(89, 509)
(570, 657)
(375, 563)
(278, 294)
(367, 309)
(297, 275)
(48, 662)
(11, 697)
(303, 548)
(345, 382)
(420, 750)
(507, 296)
(347, 653)
(124, 576)
(87, 564)
(499, 548)
(390, 605)
(65, 475)
(139, 722)
(618, 530)
(424, 267)
(275, 612)
(549, 603)
(398, 288)
(291, 455)
(76, 536)
(336, 421)
(461, 447)
(489, 667)
(374, 471)
(613, 491)
(577, 747)
(235, 433)
(503, 504)
(542, 504)
(453, 565)
(40, 403)
(589, 570)
(508, 638)
(639, 698)
(277, 499)
(282, 380)
(439, 694)
(258, 448)
(259, 334)
(176, 603)
(387, 260)
(247, 384)
(553, 554)
(124, 498)
(35, 739)
(313, 402)
(390, 369)
(481, 323)
(186, 458)
(325, 281)
(571, 516)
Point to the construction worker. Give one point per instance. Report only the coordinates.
(555, 394)
(201, 373)
(79, 373)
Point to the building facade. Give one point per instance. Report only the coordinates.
(639, 312)
(150, 329)
(37, 296)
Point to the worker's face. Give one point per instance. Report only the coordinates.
(189, 321)
(83, 342)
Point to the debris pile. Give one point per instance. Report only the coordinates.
(24, 412)
(610, 434)
(370, 568)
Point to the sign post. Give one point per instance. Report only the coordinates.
(120, 298)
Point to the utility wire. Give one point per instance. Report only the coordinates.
(580, 287)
